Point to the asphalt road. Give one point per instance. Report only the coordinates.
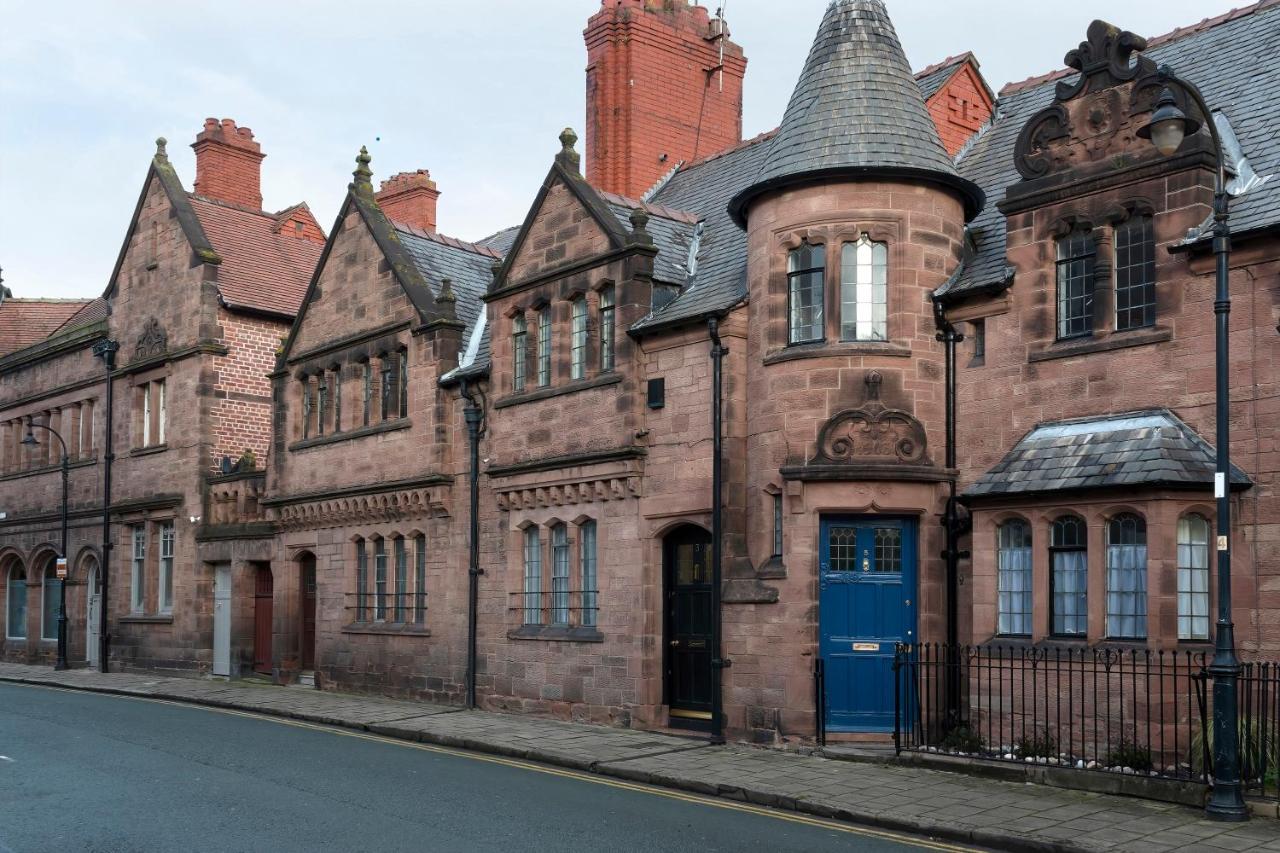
(90, 772)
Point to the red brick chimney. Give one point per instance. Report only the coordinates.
(228, 164)
(658, 91)
(410, 198)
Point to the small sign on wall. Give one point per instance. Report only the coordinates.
(60, 567)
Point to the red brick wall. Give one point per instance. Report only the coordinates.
(960, 108)
(241, 416)
(649, 92)
(228, 164)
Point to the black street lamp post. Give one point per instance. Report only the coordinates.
(30, 440)
(1166, 129)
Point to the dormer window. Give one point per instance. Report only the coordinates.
(863, 290)
(1135, 247)
(1076, 253)
(806, 266)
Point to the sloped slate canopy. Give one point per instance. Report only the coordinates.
(857, 111)
(1146, 448)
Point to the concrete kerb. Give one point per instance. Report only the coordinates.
(615, 768)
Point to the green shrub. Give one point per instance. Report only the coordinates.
(1257, 747)
(962, 739)
(1034, 745)
(1126, 754)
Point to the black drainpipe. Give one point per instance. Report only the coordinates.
(718, 663)
(953, 524)
(106, 350)
(474, 414)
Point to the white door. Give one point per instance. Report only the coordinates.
(92, 616)
(222, 620)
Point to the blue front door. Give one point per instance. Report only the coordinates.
(867, 601)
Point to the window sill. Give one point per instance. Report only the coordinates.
(820, 349)
(361, 432)
(394, 629)
(557, 633)
(1114, 341)
(612, 378)
(141, 619)
(147, 451)
(48, 469)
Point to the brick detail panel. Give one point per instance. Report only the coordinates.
(960, 108)
(241, 413)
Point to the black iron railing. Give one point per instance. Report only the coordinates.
(1136, 711)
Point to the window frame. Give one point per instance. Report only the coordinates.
(400, 595)
(532, 588)
(168, 548)
(386, 386)
(1054, 550)
(362, 580)
(589, 575)
(544, 346)
(1191, 635)
(1126, 268)
(519, 352)
(1079, 246)
(850, 266)
(1116, 524)
(50, 585)
(776, 507)
(560, 608)
(138, 568)
(607, 310)
(578, 338)
(818, 322)
(420, 579)
(379, 580)
(1023, 618)
(322, 395)
(367, 391)
(402, 383)
(306, 407)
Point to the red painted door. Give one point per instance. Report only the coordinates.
(263, 593)
(309, 612)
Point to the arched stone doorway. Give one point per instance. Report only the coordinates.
(687, 625)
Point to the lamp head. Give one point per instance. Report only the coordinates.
(1168, 125)
(30, 438)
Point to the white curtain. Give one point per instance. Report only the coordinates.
(1127, 591)
(1015, 590)
(1070, 596)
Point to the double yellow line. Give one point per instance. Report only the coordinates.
(714, 802)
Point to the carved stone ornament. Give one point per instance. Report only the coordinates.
(872, 433)
(153, 341)
(1087, 121)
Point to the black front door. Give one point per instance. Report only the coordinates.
(687, 569)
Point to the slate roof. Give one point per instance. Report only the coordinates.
(24, 322)
(1221, 56)
(502, 240)
(931, 79)
(672, 233)
(261, 269)
(469, 268)
(857, 109)
(1145, 448)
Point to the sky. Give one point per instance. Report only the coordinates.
(476, 92)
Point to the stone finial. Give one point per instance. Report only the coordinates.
(639, 219)
(568, 157)
(446, 291)
(496, 269)
(363, 174)
(161, 142)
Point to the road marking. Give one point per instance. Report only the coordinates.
(6, 758)
(698, 799)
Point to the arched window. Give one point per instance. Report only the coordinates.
(306, 406)
(806, 266)
(864, 270)
(532, 576)
(1127, 577)
(1135, 248)
(1193, 578)
(402, 579)
(379, 580)
(49, 600)
(16, 606)
(589, 574)
(362, 581)
(560, 575)
(544, 346)
(322, 402)
(420, 579)
(1069, 577)
(606, 329)
(578, 338)
(519, 352)
(1076, 253)
(1014, 578)
(402, 393)
(366, 393)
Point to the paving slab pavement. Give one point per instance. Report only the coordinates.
(939, 804)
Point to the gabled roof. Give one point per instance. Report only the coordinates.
(1146, 448)
(932, 78)
(1220, 55)
(856, 110)
(93, 311)
(24, 322)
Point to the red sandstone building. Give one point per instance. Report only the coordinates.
(309, 515)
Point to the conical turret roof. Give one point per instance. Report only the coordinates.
(856, 111)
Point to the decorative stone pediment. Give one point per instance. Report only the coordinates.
(1095, 116)
(582, 491)
(382, 507)
(872, 434)
(153, 341)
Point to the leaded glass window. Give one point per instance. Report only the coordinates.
(888, 545)
(606, 329)
(1127, 577)
(1076, 254)
(306, 407)
(380, 580)
(532, 576)
(420, 579)
(1135, 274)
(544, 346)
(1014, 578)
(167, 536)
(560, 575)
(367, 392)
(805, 270)
(402, 579)
(863, 290)
(1069, 577)
(402, 392)
(843, 545)
(578, 338)
(777, 525)
(138, 578)
(519, 351)
(1193, 578)
(589, 574)
(362, 581)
